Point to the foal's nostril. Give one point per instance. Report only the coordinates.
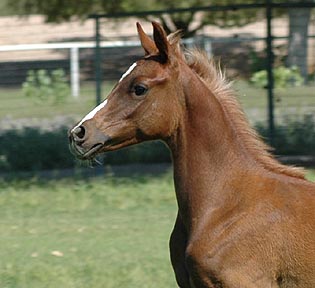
(79, 133)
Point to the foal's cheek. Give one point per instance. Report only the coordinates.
(156, 125)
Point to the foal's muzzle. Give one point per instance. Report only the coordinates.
(86, 140)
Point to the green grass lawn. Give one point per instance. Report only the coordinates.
(101, 232)
(97, 232)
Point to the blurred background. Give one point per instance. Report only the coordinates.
(60, 225)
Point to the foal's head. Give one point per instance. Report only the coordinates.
(144, 105)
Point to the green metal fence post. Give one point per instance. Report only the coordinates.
(98, 62)
(269, 67)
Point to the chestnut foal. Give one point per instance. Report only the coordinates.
(244, 219)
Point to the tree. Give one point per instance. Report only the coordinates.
(299, 20)
(64, 10)
(189, 22)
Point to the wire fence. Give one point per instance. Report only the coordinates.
(30, 44)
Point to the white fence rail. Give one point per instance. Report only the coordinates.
(74, 53)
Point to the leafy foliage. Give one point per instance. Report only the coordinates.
(295, 137)
(57, 11)
(50, 88)
(283, 77)
(32, 149)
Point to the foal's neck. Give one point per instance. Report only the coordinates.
(205, 154)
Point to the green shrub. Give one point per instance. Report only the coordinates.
(295, 137)
(42, 86)
(257, 60)
(32, 149)
(283, 77)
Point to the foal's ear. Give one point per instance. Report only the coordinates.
(161, 41)
(146, 42)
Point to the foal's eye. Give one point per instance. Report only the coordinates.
(140, 89)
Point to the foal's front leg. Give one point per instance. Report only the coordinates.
(178, 243)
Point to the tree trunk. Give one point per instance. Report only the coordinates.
(298, 32)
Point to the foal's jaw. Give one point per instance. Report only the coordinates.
(87, 150)
(80, 144)
(101, 133)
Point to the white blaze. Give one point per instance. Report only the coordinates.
(103, 104)
(128, 71)
(92, 113)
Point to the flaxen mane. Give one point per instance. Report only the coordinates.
(215, 79)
